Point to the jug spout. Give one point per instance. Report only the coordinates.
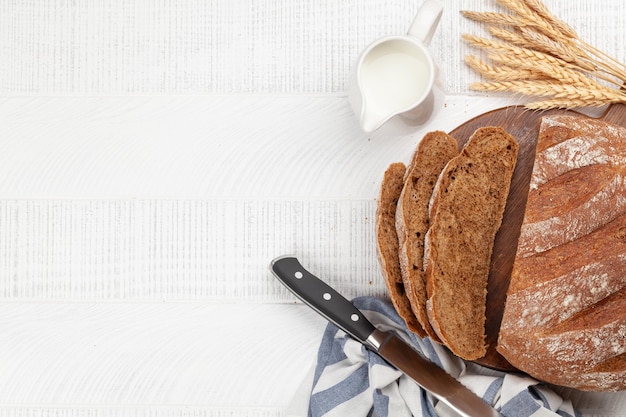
(371, 121)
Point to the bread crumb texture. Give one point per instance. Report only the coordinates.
(466, 212)
(387, 243)
(412, 220)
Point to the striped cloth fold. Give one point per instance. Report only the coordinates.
(350, 380)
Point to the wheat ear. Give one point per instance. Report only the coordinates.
(503, 72)
(537, 54)
(544, 13)
(554, 90)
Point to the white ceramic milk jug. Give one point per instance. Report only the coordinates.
(395, 74)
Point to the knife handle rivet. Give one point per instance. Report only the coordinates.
(354, 317)
(298, 275)
(326, 296)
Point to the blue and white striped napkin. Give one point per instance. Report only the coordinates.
(349, 380)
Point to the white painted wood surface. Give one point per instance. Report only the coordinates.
(236, 46)
(157, 155)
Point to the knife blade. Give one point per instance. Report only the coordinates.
(337, 309)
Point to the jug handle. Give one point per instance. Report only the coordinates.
(426, 21)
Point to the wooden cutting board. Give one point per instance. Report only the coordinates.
(523, 124)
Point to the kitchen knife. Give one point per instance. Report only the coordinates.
(335, 308)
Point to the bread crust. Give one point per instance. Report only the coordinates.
(564, 320)
(466, 212)
(387, 243)
(412, 221)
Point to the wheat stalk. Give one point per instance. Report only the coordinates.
(552, 89)
(498, 18)
(566, 51)
(522, 10)
(506, 48)
(536, 54)
(544, 13)
(558, 71)
(558, 103)
(556, 94)
(503, 72)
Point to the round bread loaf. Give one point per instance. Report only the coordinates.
(565, 316)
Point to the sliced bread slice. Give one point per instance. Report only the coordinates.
(412, 221)
(387, 243)
(466, 212)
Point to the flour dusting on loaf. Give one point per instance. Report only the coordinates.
(565, 316)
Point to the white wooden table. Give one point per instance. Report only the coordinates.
(157, 155)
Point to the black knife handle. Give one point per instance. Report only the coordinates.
(321, 297)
